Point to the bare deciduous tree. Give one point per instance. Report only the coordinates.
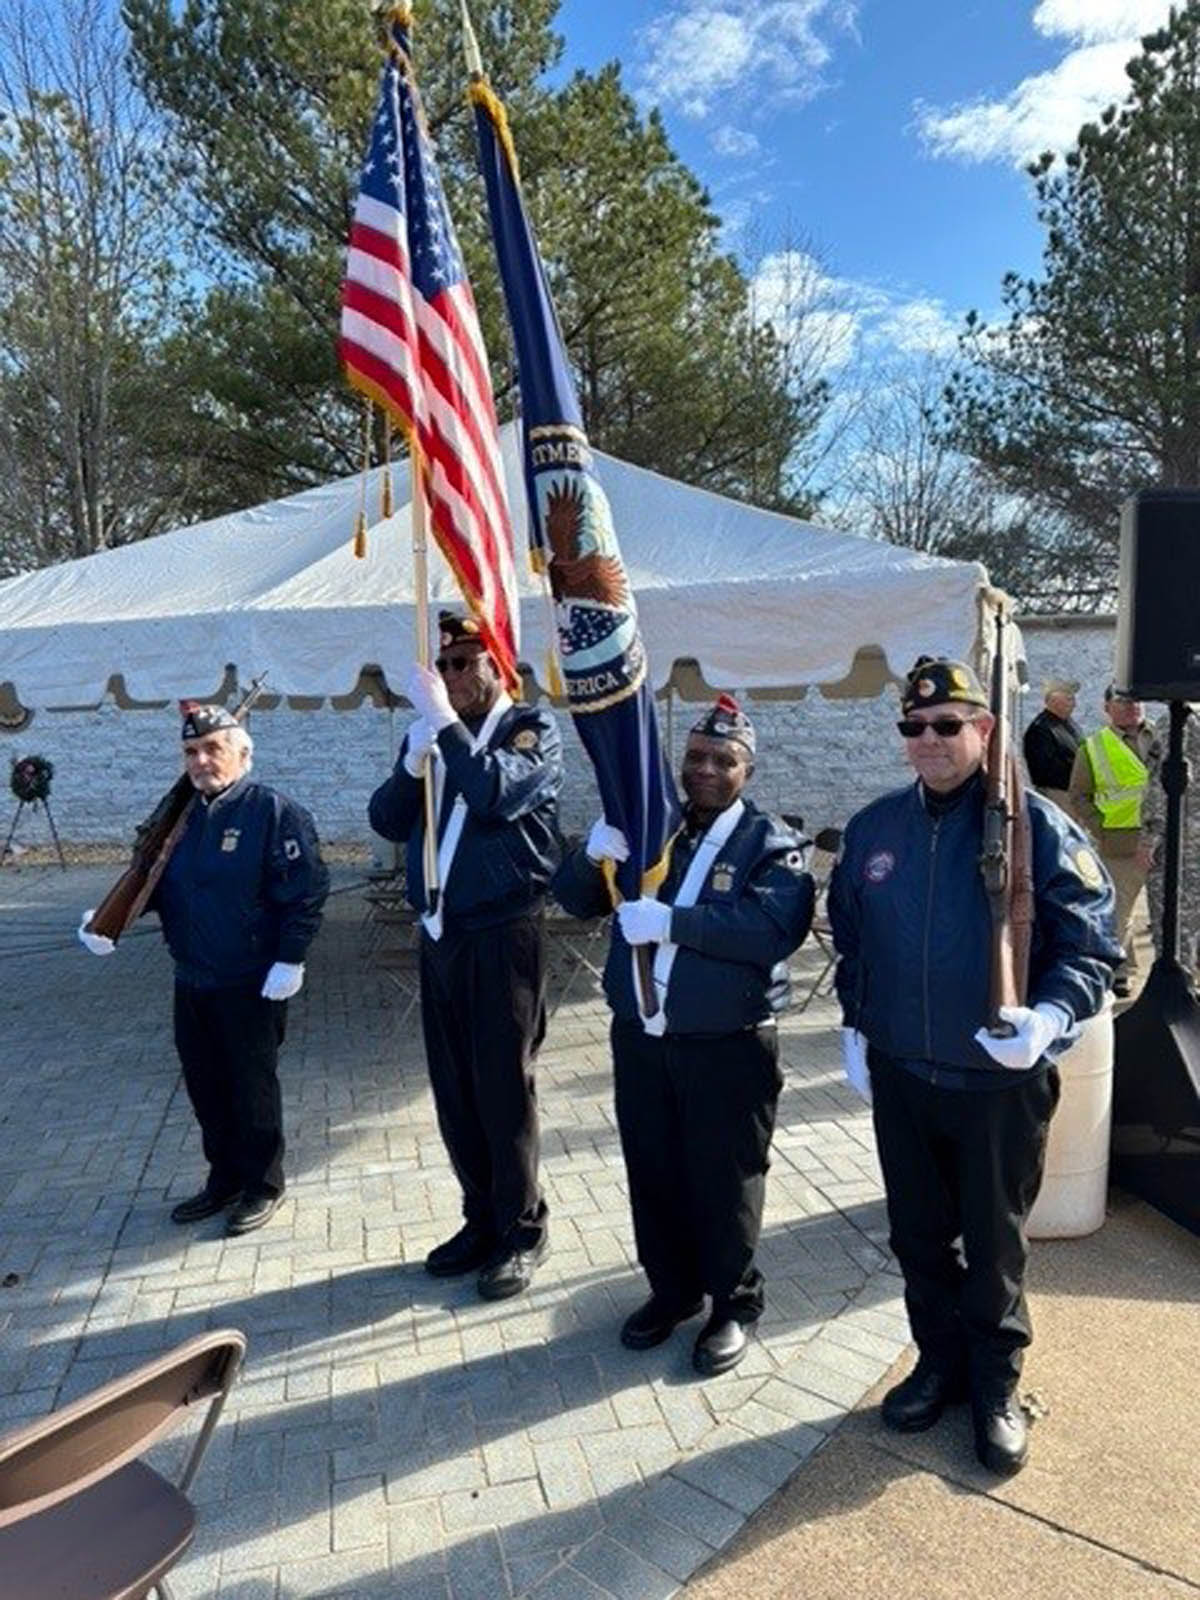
(87, 286)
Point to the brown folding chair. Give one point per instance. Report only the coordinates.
(575, 948)
(81, 1518)
(826, 846)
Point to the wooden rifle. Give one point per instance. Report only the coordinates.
(1006, 859)
(152, 847)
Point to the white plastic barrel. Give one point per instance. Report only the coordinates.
(1075, 1185)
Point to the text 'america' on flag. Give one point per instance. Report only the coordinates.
(410, 341)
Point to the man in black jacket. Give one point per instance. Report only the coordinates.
(240, 903)
(697, 1084)
(1051, 741)
(498, 770)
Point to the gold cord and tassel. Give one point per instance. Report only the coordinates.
(360, 523)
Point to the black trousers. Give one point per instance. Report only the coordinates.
(483, 1012)
(963, 1162)
(228, 1041)
(696, 1117)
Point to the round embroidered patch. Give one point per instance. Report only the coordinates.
(879, 867)
(525, 740)
(1088, 868)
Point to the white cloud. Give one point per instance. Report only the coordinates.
(729, 140)
(1094, 21)
(835, 319)
(1046, 112)
(918, 327)
(700, 51)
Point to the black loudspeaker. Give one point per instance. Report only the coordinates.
(1158, 621)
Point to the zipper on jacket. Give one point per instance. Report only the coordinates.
(937, 823)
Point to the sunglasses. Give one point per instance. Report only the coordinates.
(944, 727)
(446, 664)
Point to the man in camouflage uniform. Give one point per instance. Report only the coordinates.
(1189, 856)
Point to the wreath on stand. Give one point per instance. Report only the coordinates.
(30, 779)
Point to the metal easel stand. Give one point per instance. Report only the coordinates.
(33, 805)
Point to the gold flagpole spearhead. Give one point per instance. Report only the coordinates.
(471, 45)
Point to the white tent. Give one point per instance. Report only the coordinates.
(755, 598)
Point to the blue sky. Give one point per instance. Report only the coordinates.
(881, 141)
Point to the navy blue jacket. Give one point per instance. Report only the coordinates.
(243, 888)
(912, 928)
(509, 846)
(753, 910)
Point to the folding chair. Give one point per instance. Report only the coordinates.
(574, 947)
(825, 852)
(81, 1518)
(391, 940)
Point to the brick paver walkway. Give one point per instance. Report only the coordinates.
(392, 1436)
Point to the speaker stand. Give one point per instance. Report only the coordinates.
(1156, 1082)
(33, 805)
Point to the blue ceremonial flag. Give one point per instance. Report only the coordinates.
(600, 649)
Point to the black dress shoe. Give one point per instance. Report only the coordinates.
(252, 1211)
(511, 1272)
(918, 1401)
(655, 1321)
(721, 1345)
(465, 1252)
(204, 1204)
(1001, 1433)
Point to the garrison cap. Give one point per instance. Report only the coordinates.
(453, 629)
(1113, 693)
(934, 680)
(726, 720)
(199, 720)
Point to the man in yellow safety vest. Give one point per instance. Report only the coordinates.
(1113, 770)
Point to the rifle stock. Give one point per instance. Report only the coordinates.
(1005, 861)
(153, 844)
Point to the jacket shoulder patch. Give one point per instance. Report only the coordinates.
(527, 739)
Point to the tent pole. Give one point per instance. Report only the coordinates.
(421, 577)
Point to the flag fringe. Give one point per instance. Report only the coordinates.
(374, 391)
(481, 94)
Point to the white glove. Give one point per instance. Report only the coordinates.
(605, 843)
(283, 980)
(97, 943)
(427, 691)
(644, 921)
(854, 1060)
(421, 740)
(1037, 1029)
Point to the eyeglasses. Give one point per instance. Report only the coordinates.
(944, 727)
(447, 664)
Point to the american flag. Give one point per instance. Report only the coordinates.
(410, 341)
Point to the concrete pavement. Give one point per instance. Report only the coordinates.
(392, 1435)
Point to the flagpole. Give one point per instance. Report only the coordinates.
(420, 549)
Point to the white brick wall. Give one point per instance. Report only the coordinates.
(820, 758)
